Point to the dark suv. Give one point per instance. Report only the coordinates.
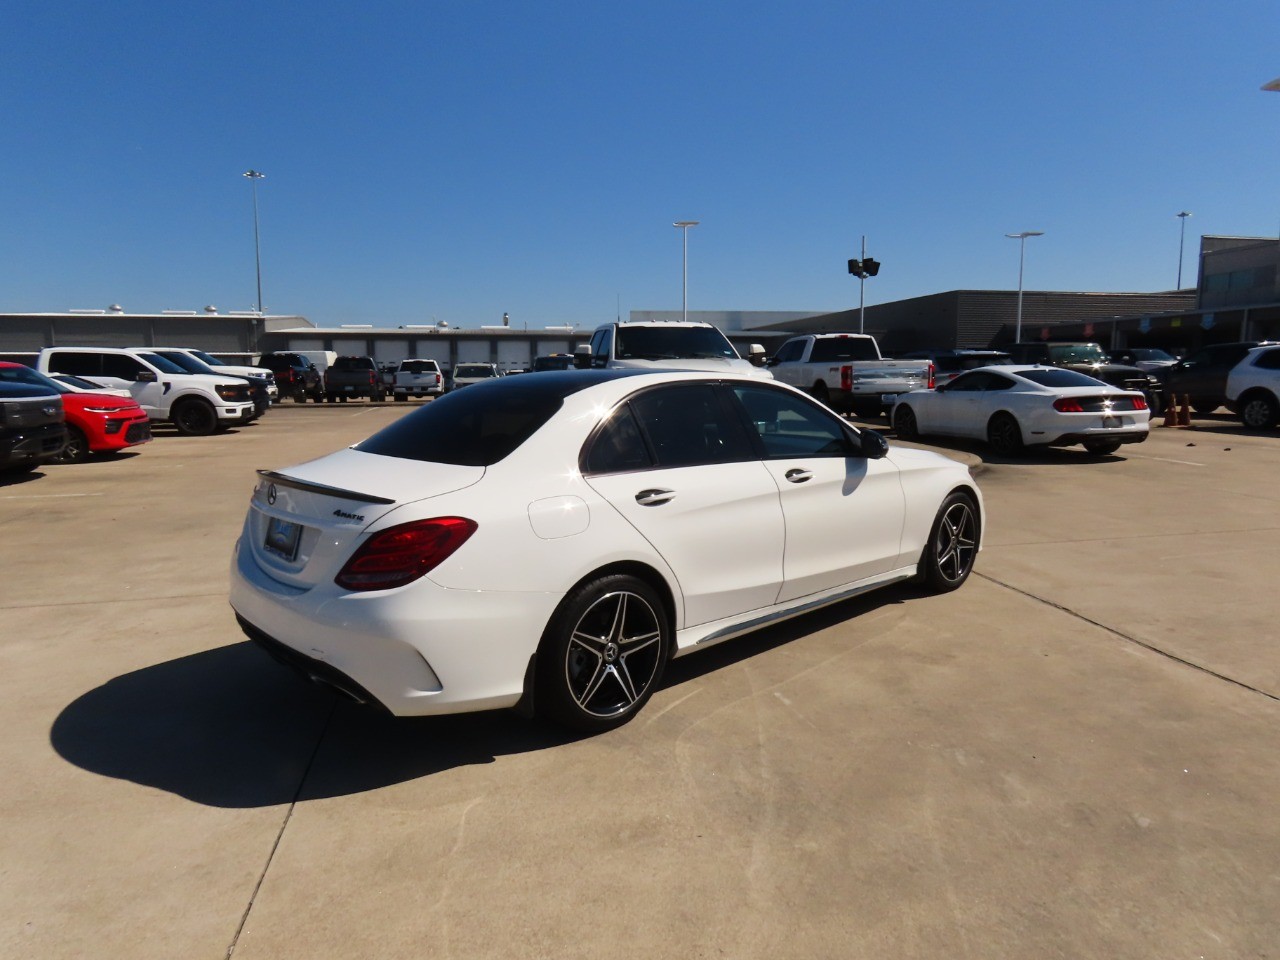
(32, 426)
(296, 376)
(1202, 374)
(1091, 360)
(353, 377)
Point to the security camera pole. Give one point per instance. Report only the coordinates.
(862, 269)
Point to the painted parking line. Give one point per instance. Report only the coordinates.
(1185, 463)
(49, 496)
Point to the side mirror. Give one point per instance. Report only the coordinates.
(582, 356)
(145, 376)
(874, 445)
(771, 362)
(755, 355)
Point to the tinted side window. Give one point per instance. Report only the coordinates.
(790, 426)
(618, 446)
(121, 366)
(968, 381)
(688, 425)
(601, 345)
(1268, 360)
(791, 351)
(76, 364)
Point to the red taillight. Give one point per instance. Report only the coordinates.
(1068, 405)
(1139, 403)
(401, 554)
(846, 379)
(932, 373)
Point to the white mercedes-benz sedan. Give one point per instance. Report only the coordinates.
(549, 542)
(1015, 406)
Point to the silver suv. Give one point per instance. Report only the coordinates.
(465, 374)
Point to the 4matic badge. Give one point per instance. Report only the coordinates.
(359, 518)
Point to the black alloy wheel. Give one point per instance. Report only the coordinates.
(1004, 435)
(948, 557)
(820, 393)
(77, 448)
(195, 418)
(603, 654)
(904, 423)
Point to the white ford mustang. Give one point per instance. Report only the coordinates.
(550, 542)
(1012, 407)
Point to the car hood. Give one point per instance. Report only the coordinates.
(100, 401)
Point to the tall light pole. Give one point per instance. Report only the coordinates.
(1022, 256)
(254, 176)
(1182, 236)
(684, 226)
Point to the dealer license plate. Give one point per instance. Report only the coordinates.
(282, 538)
(888, 399)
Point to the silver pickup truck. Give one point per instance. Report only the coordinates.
(846, 372)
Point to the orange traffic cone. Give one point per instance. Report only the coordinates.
(1171, 411)
(1184, 415)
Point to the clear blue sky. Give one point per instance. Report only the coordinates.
(454, 160)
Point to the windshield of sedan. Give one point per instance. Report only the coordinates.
(672, 343)
(1048, 377)
(1077, 353)
(479, 426)
(32, 377)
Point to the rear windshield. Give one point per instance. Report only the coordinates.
(843, 348)
(1059, 378)
(418, 366)
(474, 370)
(478, 426)
(353, 363)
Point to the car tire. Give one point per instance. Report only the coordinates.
(948, 557)
(602, 654)
(76, 449)
(1101, 448)
(820, 393)
(300, 397)
(400, 396)
(904, 423)
(1004, 436)
(195, 418)
(1259, 411)
(1204, 404)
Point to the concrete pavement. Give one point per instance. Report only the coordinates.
(1073, 756)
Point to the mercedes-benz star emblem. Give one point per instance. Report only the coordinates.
(271, 493)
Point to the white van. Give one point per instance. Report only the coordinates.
(197, 404)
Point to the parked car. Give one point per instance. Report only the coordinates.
(666, 345)
(949, 364)
(1012, 407)
(1253, 388)
(465, 374)
(260, 378)
(553, 361)
(258, 389)
(32, 429)
(95, 422)
(451, 562)
(1144, 358)
(417, 378)
(197, 404)
(1091, 360)
(85, 385)
(296, 376)
(350, 377)
(847, 372)
(1202, 374)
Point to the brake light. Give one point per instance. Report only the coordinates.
(1139, 403)
(403, 553)
(1068, 405)
(846, 378)
(932, 373)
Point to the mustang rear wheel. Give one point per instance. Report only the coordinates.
(948, 557)
(602, 654)
(1004, 435)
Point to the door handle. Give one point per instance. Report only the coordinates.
(798, 476)
(654, 498)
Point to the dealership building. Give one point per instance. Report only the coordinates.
(1237, 297)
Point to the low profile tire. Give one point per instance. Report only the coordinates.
(195, 418)
(948, 557)
(904, 424)
(820, 393)
(1100, 448)
(1259, 411)
(1004, 435)
(77, 448)
(602, 654)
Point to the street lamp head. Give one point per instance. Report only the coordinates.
(1273, 86)
(254, 175)
(1024, 234)
(686, 223)
(1184, 214)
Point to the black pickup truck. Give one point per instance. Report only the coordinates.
(353, 377)
(32, 428)
(1091, 360)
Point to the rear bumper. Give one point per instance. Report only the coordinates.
(1121, 436)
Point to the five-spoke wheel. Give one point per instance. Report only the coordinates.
(953, 544)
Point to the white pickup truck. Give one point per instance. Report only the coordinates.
(846, 372)
(665, 345)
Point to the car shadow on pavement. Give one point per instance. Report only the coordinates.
(231, 728)
(1037, 456)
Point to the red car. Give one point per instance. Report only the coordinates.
(96, 422)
